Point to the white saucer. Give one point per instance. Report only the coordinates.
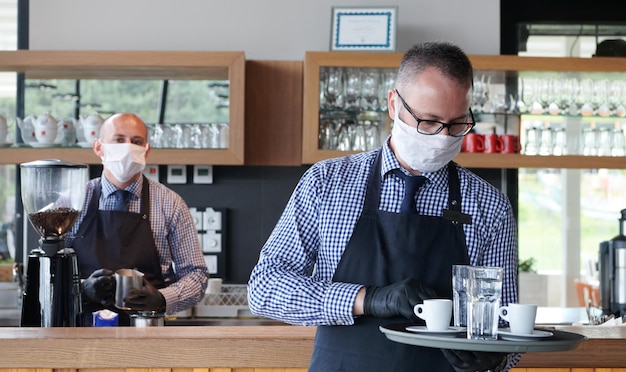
(506, 334)
(423, 329)
(43, 145)
(7, 144)
(84, 144)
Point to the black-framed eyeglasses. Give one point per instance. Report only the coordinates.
(430, 127)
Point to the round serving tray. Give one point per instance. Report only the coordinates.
(559, 341)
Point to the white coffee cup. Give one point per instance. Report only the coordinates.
(436, 313)
(521, 317)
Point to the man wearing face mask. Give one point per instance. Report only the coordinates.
(130, 221)
(351, 252)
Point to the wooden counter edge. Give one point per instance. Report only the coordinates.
(604, 348)
(157, 347)
(235, 347)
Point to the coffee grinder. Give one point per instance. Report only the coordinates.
(612, 269)
(53, 193)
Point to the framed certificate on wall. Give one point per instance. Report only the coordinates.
(364, 28)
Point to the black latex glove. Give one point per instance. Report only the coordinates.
(147, 298)
(470, 361)
(396, 299)
(99, 287)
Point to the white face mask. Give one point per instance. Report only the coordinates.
(421, 152)
(124, 160)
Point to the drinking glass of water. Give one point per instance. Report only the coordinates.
(484, 295)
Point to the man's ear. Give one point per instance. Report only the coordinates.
(391, 103)
(97, 148)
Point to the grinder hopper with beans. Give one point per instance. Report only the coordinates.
(53, 193)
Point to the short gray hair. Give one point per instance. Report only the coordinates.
(444, 56)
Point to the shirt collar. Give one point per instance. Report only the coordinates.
(108, 188)
(439, 178)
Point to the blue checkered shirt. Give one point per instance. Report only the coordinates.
(292, 280)
(176, 238)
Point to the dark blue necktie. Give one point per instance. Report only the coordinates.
(121, 200)
(411, 185)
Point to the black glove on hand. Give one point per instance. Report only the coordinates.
(470, 361)
(99, 287)
(396, 299)
(147, 298)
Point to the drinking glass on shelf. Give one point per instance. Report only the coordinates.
(205, 135)
(343, 139)
(590, 141)
(546, 144)
(387, 83)
(537, 96)
(323, 82)
(567, 96)
(587, 97)
(369, 89)
(359, 142)
(619, 143)
(330, 126)
(521, 104)
(352, 88)
(170, 136)
(195, 136)
(605, 141)
(333, 93)
(530, 96)
(601, 97)
(214, 136)
(533, 139)
(480, 94)
(617, 97)
(549, 95)
(372, 137)
(560, 141)
(326, 133)
(155, 135)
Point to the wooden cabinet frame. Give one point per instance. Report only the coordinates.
(509, 65)
(136, 65)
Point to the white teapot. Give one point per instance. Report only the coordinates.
(66, 132)
(4, 129)
(91, 125)
(27, 129)
(45, 129)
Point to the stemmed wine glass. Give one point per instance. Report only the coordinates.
(333, 87)
(387, 83)
(352, 88)
(369, 90)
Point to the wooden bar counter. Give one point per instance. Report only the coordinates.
(238, 349)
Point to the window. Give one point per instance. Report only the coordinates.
(564, 214)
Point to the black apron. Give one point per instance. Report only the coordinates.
(117, 240)
(385, 248)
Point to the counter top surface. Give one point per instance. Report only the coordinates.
(249, 343)
(234, 347)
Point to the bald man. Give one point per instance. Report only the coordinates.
(130, 221)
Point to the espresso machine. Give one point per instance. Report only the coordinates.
(612, 269)
(53, 193)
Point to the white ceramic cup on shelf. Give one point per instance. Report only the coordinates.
(436, 313)
(521, 317)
